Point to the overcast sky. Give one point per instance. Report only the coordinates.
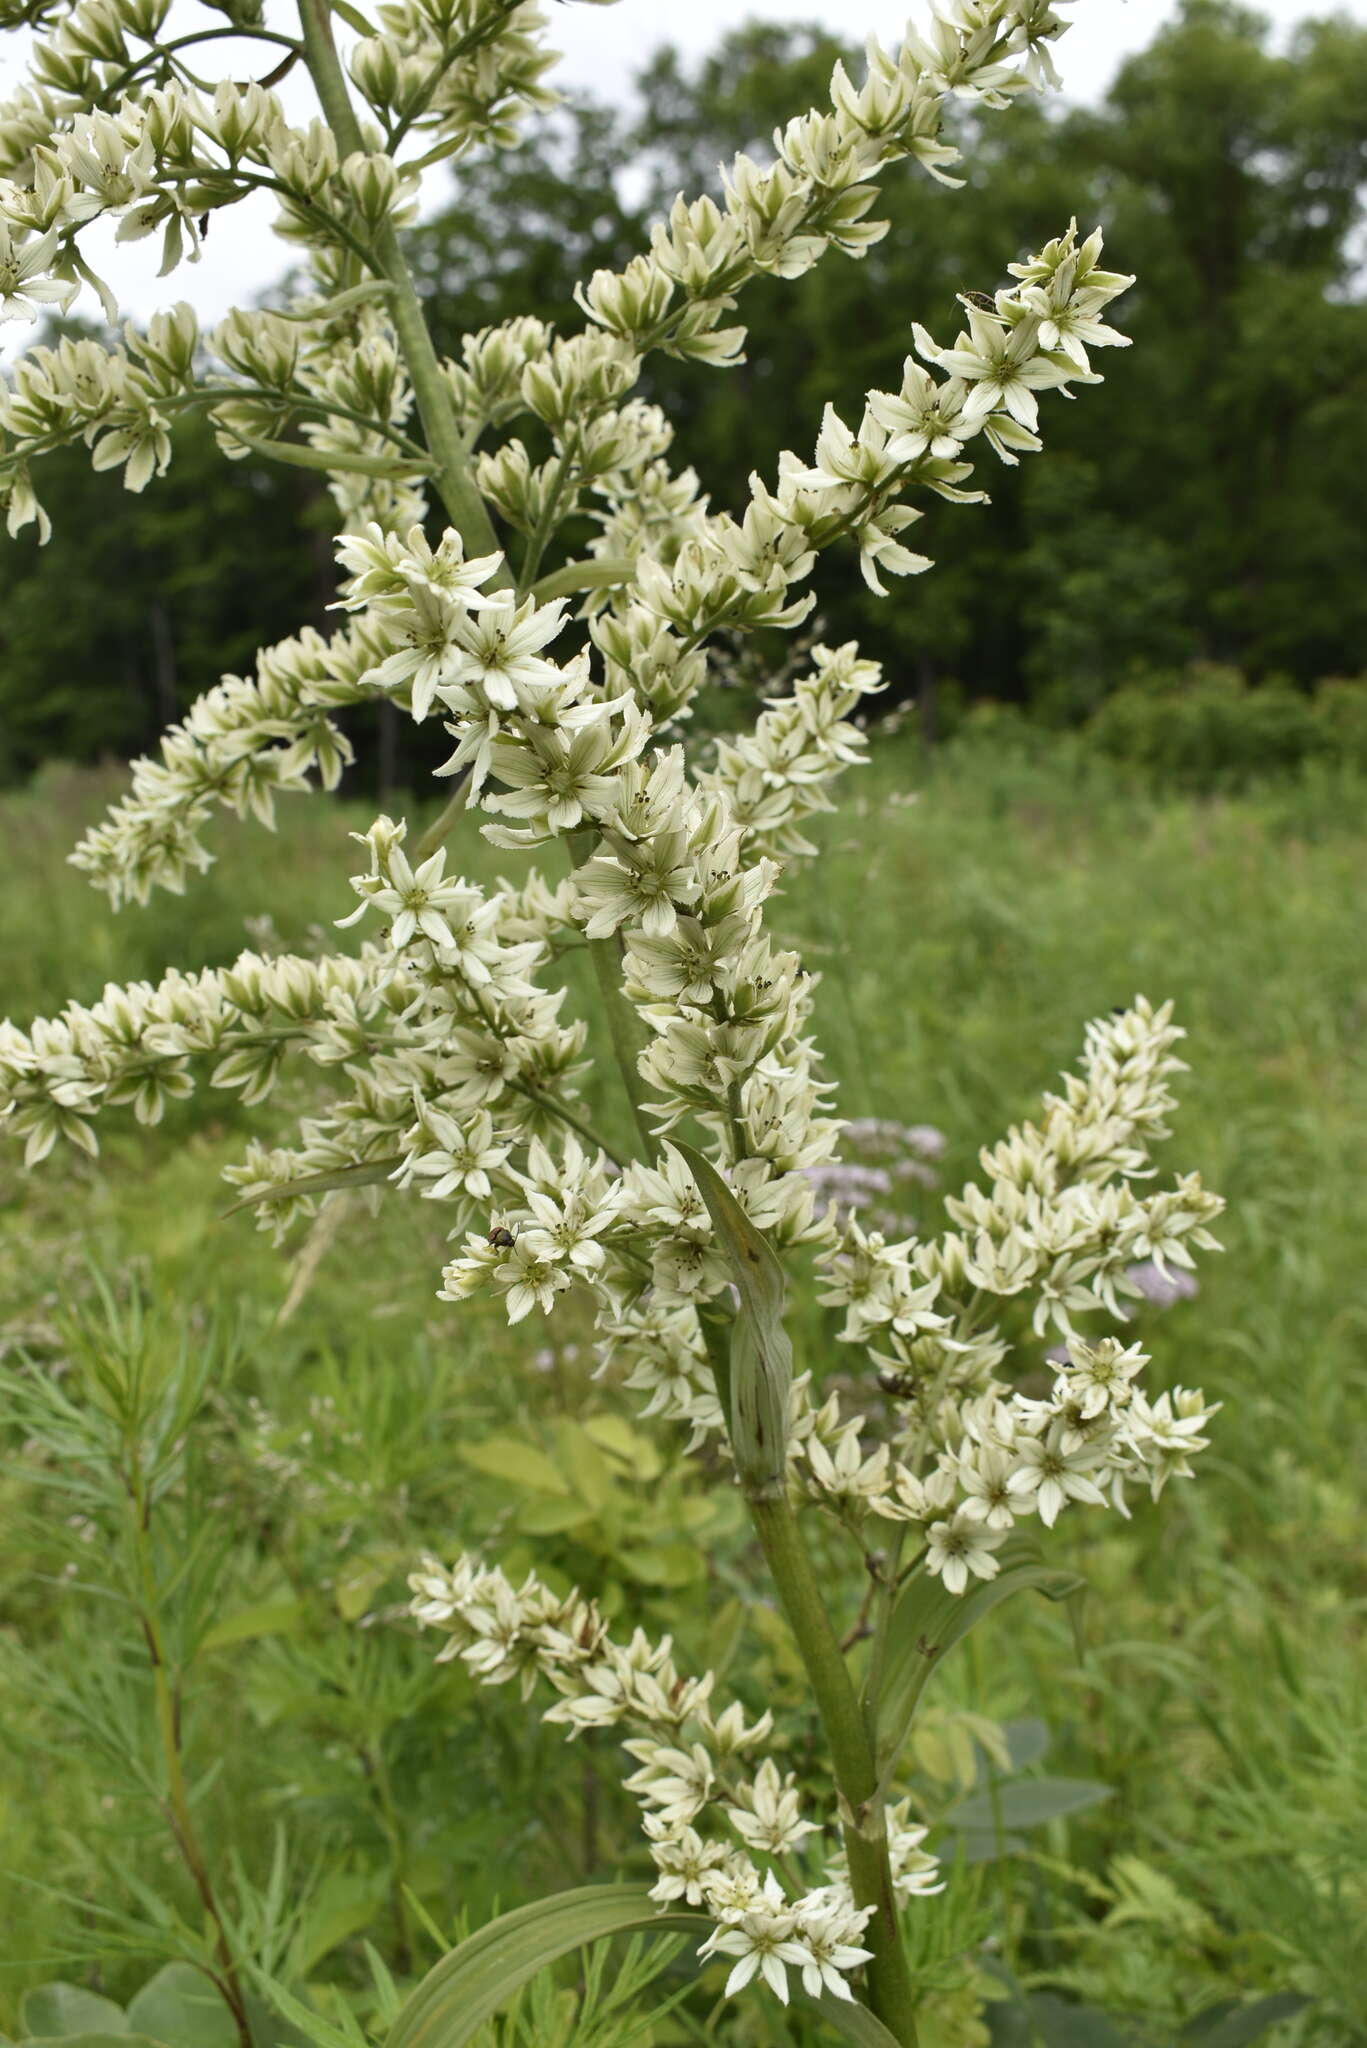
(603, 48)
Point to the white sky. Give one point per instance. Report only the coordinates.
(603, 47)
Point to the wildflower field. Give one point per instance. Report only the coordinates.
(1149, 1801)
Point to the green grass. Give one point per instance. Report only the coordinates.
(962, 938)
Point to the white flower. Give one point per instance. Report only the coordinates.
(915, 1872)
(984, 1475)
(848, 1475)
(768, 1816)
(961, 1545)
(829, 1924)
(23, 285)
(924, 418)
(763, 1938)
(1048, 1476)
(684, 1860)
(1100, 1374)
(678, 1782)
(461, 1157)
(530, 1274)
(1005, 365)
(416, 899)
(428, 632)
(497, 649)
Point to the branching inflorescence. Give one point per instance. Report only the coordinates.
(566, 692)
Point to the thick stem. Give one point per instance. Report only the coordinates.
(890, 1992)
(464, 505)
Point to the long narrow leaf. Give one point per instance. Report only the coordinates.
(928, 1621)
(481, 1974)
(855, 2022)
(761, 1364)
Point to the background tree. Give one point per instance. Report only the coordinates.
(1207, 503)
(137, 603)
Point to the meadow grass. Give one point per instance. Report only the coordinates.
(966, 919)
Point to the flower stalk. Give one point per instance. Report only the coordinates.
(891, 1994)
(464, 505)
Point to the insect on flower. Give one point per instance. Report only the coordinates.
(502, 1237)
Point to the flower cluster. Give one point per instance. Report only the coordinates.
(450, 1046)
(715, 1824)
(1056, 1236)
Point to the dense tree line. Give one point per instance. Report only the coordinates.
(1206, 505)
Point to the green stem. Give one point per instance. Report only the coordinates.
(600, 572)
(376, 1769)
(159, 52)
(890, 1992)
(540, 537)
(442, 825)
(464, 505)
(568, 1117)
(484, 32)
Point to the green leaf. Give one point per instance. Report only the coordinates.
(1008, 2023)
(354, 18)
(1025, 1803)
(664, 1564)
(59, 2010)
(588, 1471)
(180, 2004)
(344, 1903)
(455, 1999)
(357, 1583)
(520, 1463)
(1228, 2025)
(761, 1351)
(984, 1848)
(854, 2021)
(267, 1618)
(600, 573)
(101, 2040)
(753, 1261)
(615, 1435)
(549, 1514)
(928, 1621)
(1027, 1742)
(1060, 2024)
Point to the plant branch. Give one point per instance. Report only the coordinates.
(601, 572)
(455, 484)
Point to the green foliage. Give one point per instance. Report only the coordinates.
(136, 605)
(1206, 729)
(479, 1975)
(1206, 504)
(1218, 1694)
(928, 1621)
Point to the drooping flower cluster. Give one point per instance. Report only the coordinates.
(715, 1823)
(454, 1060)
